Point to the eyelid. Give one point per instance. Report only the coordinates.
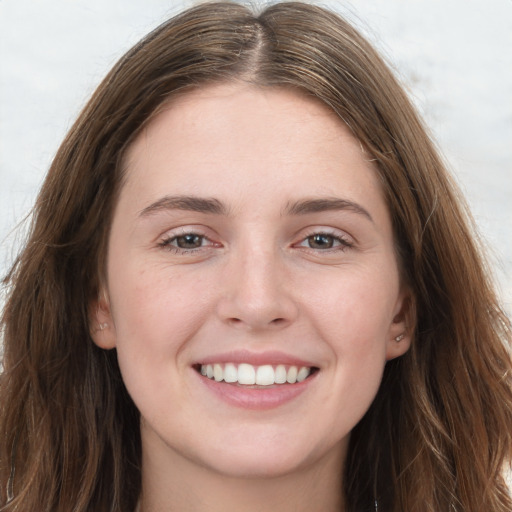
(346, 240)
(186, 229)
(324, 230)
(164, 240)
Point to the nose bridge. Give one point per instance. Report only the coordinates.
(256, 293)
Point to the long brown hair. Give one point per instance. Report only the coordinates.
(439, 432)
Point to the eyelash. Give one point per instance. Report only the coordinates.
(166, 243)
(339, 242)
(343, 242)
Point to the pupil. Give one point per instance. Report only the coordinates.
(189, 241)
(321, 241)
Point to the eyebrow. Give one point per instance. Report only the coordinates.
(187, 203)
(306, 206)
(214, 206)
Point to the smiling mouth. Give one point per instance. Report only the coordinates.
(249, 375)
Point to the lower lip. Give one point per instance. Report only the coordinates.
(257, 398)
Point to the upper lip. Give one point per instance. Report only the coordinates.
(272, 357)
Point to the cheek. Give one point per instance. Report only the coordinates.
(357, 306)
(355, 324)
(358, 363)
(154, 314)
(155, 302)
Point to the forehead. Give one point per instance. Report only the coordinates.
(234, 138)
(233, 107)
(263, 117)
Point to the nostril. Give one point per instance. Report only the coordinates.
(277, 322)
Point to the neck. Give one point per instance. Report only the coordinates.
(186, 486)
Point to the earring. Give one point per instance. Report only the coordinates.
(400, 337)
(103, 326)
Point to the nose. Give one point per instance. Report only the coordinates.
(257, 291)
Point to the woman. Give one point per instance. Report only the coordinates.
(251, 284)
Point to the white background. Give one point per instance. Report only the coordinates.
(455, 57)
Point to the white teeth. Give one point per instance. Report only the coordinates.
(230, 373)
(291, 376)
(265, 375)
(303, 373)
(280, 377)
(218, 374)
(247, 374)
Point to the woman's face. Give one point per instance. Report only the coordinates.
(251, 241)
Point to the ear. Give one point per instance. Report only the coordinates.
(402, 327)
(101, 324)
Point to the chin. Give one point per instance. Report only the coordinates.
(268, 455)
(263, 464)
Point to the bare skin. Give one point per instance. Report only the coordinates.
(250, 232)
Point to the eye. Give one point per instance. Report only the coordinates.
(326, 241)
(188, 241)
(320, 241)
(185, 242)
